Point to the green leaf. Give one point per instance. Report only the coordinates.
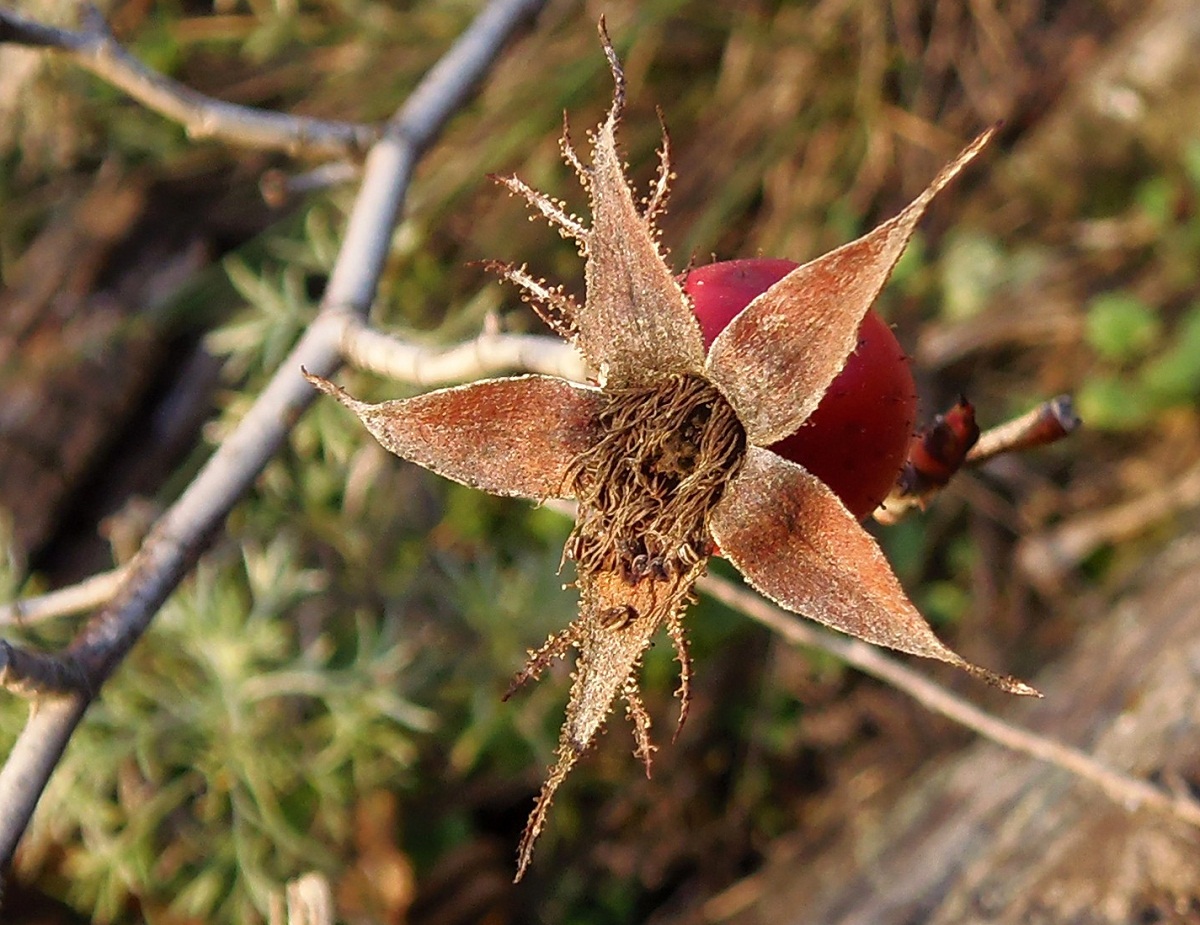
(973, 268)
(944, 602)
(1113, 403)
(1156, 197)
(1121, 327)
(1174, 376)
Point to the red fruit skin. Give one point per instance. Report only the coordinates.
(857, 440)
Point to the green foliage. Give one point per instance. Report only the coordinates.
(1145, 367)
(1173, 375)
(1110, 403)
(278, 301)
(1148, 355)
(935, 570)
(228, 753)
(1121, 327)
(973, 268)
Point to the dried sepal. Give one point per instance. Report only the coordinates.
(636, 325)
(567, 756)
(556, 308)
(656, 201)
(684, 692)
(505, 436)
(794, 540)
(639, 717)
(554, 648)
(554, 211)
(775, 360)
(614, 628)
(567, 146)
(617, 621)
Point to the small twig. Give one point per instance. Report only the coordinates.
(1047, 423)
(1129, 792)
(1047, 557)
(88, 594)
(488, 354)
(96, 50)
(36, 674)
(278, 187)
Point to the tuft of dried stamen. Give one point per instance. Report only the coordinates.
(646, 486)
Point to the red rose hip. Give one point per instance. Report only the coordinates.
(858, 438)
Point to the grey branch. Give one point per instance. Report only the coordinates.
(86, 595)
(1124, 790)
(182, 533)
(488, 354)
(95, 50)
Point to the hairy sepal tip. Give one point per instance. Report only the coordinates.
(329, 388)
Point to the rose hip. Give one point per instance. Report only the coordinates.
(857, 439)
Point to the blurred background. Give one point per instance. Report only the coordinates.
(324, 693)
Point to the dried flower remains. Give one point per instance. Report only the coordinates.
(665, 452)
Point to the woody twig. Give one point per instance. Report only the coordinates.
(94, 49)
(490, 353)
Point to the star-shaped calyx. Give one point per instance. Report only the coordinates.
(666, 453)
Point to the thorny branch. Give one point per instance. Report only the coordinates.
(94, 49)
(179, 537)
(1126, 791)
